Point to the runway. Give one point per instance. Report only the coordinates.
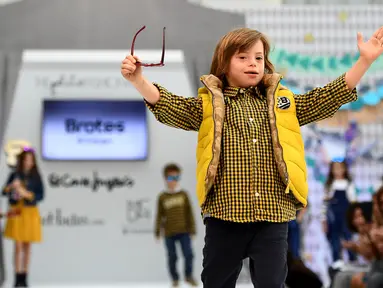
(127, 285)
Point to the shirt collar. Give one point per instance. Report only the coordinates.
(235, 91)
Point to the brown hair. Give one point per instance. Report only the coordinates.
(34, 172)
(237, 40)
(330, 177)
(172, 167)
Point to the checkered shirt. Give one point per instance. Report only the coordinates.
(248, 187)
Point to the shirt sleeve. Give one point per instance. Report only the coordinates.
(323, 102)
(159, 217)
(177, 111)
(37, 190)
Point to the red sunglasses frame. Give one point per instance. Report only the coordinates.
(163, 50)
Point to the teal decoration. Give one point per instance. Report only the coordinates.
(333, 63)
(322, 179)
(358, 190)
(305, 63)
(310, 162)
(319, 64)
(371, 190)
(357, 105)
(356, 57)
(331, 66)
(281, 56)
(292, 59)
(346, 60)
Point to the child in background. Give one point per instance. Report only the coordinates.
(175, 219)
(340, 192)
(24, 189)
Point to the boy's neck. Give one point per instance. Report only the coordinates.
(175, 189)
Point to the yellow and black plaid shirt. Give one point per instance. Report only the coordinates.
(248, 187)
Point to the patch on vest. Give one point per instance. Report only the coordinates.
(283, 103)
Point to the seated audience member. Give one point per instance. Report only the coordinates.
(370, 245)
(358, 218)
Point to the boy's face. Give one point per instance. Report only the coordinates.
(247, 68)
(172, 179)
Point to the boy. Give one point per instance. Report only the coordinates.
(251, 171)
(175, 218)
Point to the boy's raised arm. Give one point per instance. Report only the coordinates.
(168, 108)
(323, 102)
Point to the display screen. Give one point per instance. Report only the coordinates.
(94, 130)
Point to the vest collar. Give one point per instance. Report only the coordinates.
(212, 82)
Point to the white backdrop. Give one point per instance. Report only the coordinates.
(97, 244)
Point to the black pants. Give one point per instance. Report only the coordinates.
(228, 243)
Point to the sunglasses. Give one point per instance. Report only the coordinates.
(173, 178)
(163, 50)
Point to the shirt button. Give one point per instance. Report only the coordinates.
(255, 140)
(257, 194)
(241, 90)
(251, 119)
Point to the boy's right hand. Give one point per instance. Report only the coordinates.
(130, 70)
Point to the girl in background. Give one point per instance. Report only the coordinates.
(25, 190)
(340, 192)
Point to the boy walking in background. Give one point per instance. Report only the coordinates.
(175, 222)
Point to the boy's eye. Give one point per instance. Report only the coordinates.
(259, 58)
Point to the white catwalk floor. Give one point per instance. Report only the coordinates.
(128, 285)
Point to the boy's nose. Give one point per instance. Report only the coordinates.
(253, 63)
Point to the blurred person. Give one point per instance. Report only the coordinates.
(175, 221)
(359, 221)
(24, 189)
(339, 193)
(370, 245)
(251, 172)
(294, 234)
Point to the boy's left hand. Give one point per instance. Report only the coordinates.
(373, 48)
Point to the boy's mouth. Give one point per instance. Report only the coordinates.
(252, 73)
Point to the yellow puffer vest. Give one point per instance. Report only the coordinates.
(285, 131)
